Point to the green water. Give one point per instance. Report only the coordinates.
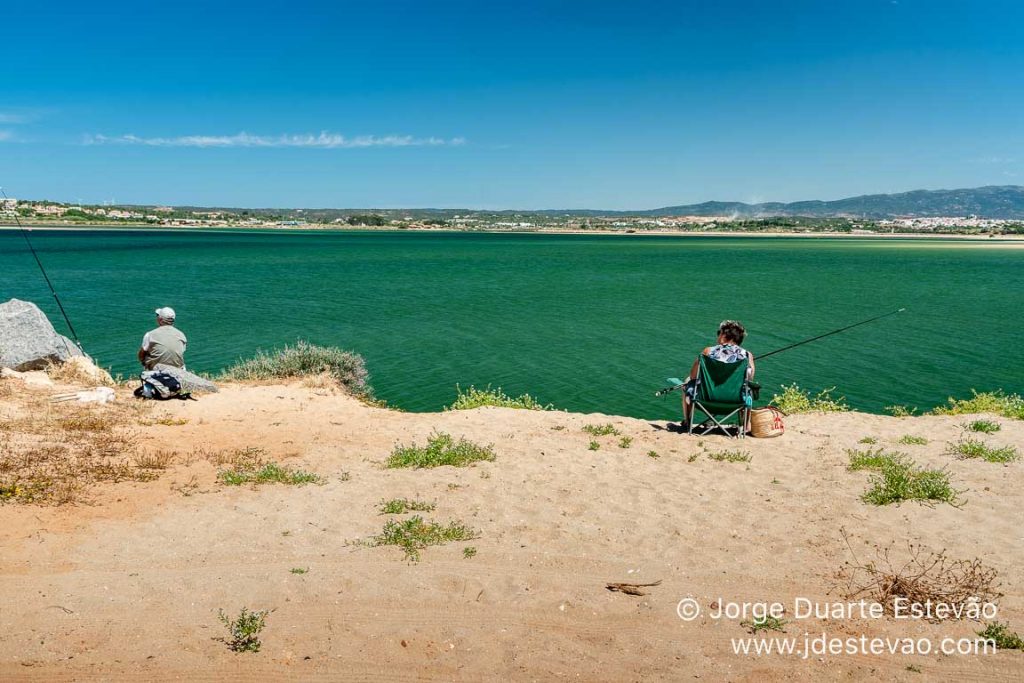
(589, 323)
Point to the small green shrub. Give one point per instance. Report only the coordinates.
(299, 570)
(898, 479)
(765, 623)
(625, 441)
(477, 398)
(911, 440)
(984, 426)
(901, 411)
(868, 439)
(399, 506)
(653, 454)
(794, 400)
(1011, 406)
(441, 450)
(873, 459)
(973, 448)
(468, 552)
(302, 360)
(245, 629)
(266, 473)
(729, 456)
(414, 534)
(594, 445)
(1002, 636)
(601, 430)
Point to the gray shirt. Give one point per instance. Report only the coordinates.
(166, 344)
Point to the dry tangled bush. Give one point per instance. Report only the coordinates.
(920, 579)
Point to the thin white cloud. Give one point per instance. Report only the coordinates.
(6, 135)
(8, 117)
(324, 140)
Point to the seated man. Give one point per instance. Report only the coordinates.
(164, 345)
(727, 350)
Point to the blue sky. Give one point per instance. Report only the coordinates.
(507, 104)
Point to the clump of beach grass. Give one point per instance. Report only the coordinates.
(249, 467)
(1002, 636)
(601, 430)
(303, 359)
(997, 402)
(974, 448)
(477, 398)
(794, 400)
(594, 445)
(625, 442)
(729, 456)
(912, 440)
(765, 623)
(440, 450)
(873, 459)
(399, 506)
(897, 478)
(245, 629)
(983, 426)
(415, 534)
(901, 411)
(868, 440)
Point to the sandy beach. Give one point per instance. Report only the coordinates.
(126, 582)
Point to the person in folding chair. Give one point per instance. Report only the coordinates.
(719, 383)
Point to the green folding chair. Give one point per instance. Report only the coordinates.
(721, 393)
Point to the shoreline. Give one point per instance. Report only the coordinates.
(1006, 240)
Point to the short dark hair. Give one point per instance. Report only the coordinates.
(733, 331)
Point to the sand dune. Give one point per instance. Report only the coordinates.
(128, 585)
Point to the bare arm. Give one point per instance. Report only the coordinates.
(696, 364)
(750, 372)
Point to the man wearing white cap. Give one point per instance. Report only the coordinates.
(164, 345)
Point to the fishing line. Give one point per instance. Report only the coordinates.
(828, 334)
(24, 233)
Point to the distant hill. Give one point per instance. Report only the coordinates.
(993, 201)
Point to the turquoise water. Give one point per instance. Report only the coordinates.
(589, 323)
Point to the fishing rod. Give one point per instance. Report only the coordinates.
(24, 233)
(678, 383)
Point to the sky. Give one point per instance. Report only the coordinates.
(503, 105)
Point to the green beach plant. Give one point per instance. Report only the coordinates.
(983, 426)
(625, 442)
(897, 478)
(974, 448)
(245, 629)
(477, 398)
(399, 506)
(794, 400)
(1006, 405)
(901, 411)
(303, 359)
(873, 459)
(911, 440)
(414, 534)
(266, 473)
(765, 623)
(729, 456)
(601, 430)
(441, 449)
(1002, 636)
(868, 440)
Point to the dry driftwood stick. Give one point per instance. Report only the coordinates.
(631, 588)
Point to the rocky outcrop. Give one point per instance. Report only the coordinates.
(28, 340)
(190, 383)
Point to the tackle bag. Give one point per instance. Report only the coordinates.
(160, 386)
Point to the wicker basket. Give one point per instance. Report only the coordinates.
(766, 422)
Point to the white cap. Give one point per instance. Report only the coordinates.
(165, 313)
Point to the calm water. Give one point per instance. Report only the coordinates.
(589, 323)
